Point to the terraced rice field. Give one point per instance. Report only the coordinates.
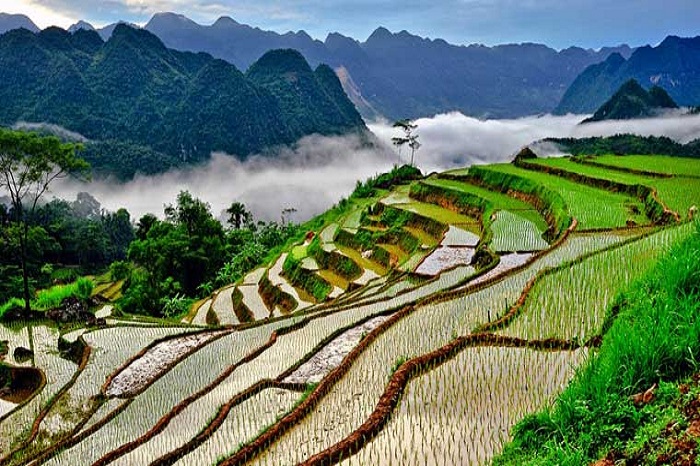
(395, 367)
(656, 164)
(678, 193)
(592, 207)
(513, 232)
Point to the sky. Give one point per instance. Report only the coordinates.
(557, 23)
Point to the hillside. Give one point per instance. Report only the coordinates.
(633, 101)
(133, 90)
(674, 65)
(408, 310)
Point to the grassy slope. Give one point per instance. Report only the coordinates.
(593, 208)
(499, 200)
(655, 339)
(678, 193)
(653, 163)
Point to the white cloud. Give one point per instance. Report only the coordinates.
(318, 171)
(40, 14)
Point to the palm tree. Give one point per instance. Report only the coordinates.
(238, 215)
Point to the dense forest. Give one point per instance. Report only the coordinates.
(627, 144)
(144, 107)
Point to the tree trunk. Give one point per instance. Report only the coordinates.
(23, 235)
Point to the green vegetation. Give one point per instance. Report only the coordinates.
(545, 198)
(593, 208)
(146, 108)
(53, 297)
(336, 300)
(633, 101)
(499, 200)
(306, 280)
(29, 164)
(661, 164)
(386, 181)
(678, 193)
(571, 300)
(627, 144)
(511, 232)
(654, 338)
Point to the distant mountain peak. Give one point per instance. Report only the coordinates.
(380, 34)
(225, 21)
(633, 101)
(170, 20)
(12, 21)
(81, 25)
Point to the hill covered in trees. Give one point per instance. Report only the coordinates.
(633, 101)
(627, 144)
(155, 107)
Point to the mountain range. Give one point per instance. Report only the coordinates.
(134, 90)
(400, 75)
(674, 65)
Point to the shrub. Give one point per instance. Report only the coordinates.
(119, 270)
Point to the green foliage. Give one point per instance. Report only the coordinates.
(624, 144)
(306, 280)
(146, 108)
(398, 175)
(548, 202)
(29, 164)
(119, 270)
(333, 261)
(53, 297)
(175, 306)
(654, 338)
(176, 256)
(13, 304)
(633, 101)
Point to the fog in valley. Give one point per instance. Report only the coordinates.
(319, 171)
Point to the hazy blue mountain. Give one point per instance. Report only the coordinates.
(633, 101)
(674, 65)
(10, 21)
(134, 90)
(399, 74)
(403, 75)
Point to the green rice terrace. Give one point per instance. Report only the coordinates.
(484, 315)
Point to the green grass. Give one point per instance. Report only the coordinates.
(51, 298)
(513, 232)
(498, 200)
(678, 193)
(593, 208)
(14, 302)
(654, 338)
(437, 213)
(299, 252)
(361, 261)
(571, 302)
(653, 163)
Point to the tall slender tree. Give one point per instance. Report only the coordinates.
(29, 164)
(409, 137)
(238, 215)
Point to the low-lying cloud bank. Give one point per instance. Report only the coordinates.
(318, 171)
